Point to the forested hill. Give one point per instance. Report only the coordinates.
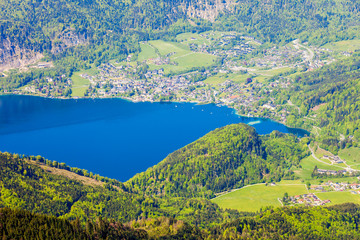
(337, 222)
(226, 158)
(31, 185)
(27, 186)
(52, 27)
(328, 98)
(316, 21)
(78, 33)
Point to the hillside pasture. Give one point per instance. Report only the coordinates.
(351, 156)
(147, 52)
(339, 197)
(181, 58)
(307, 167)
(348, 45)
(253, 197)
(79, 85)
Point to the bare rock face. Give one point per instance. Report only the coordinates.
(207, 9)
(12, 56)
(66, 39)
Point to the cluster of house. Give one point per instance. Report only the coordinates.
(335, 186)
(123, 81)
(118, 82)
(278, 57)
(331, 172)
(224, 46)
(49, 87)
(333, 159)
(159, 60)
(309, 199)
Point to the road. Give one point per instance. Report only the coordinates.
(347, 168)
(309, 55)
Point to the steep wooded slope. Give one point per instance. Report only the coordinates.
(328, 98)
(337, 222)
(40, 188)
(226, 158)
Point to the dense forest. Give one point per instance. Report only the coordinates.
(337, 222)
(226, 158)
(328, 99)
(317, 22)
(27, 184)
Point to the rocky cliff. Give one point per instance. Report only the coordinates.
(66, 39)
(14, 55)
(206, 9)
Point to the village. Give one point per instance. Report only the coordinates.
(307, 199)
(310, 199)
(49, 87)
(136, 81)
(250, 98)
(330, 186)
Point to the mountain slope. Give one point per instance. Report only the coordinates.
(52, 189)
(226, 158)
(337, 222)
(328, 100)
(80, 34)
(316, 21)
(27, 186)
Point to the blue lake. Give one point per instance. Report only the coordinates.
(111, 137)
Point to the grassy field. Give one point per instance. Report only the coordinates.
(272, 72)
(349, 45)
(351, 156)
(252, 198)
(339, 197)
(170, 47)
(341, 179)
(321, 152)
(222, 77)
(147, 51)
(181, 57)
(80, 84)
(307, 167)
(188, 38)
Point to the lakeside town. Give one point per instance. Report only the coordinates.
(244, 79)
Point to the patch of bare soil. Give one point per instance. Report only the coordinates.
(62, 172)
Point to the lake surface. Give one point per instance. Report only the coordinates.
(111, 137)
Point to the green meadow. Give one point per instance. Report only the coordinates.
(181, 58)
(147, 51)
(254, 197)
(235, 77)
(307, 167)
(348, 45)
(339, 197)
(351, 156)
(80, 84)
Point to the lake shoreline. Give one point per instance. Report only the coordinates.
(165, 101)
(97, 133)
